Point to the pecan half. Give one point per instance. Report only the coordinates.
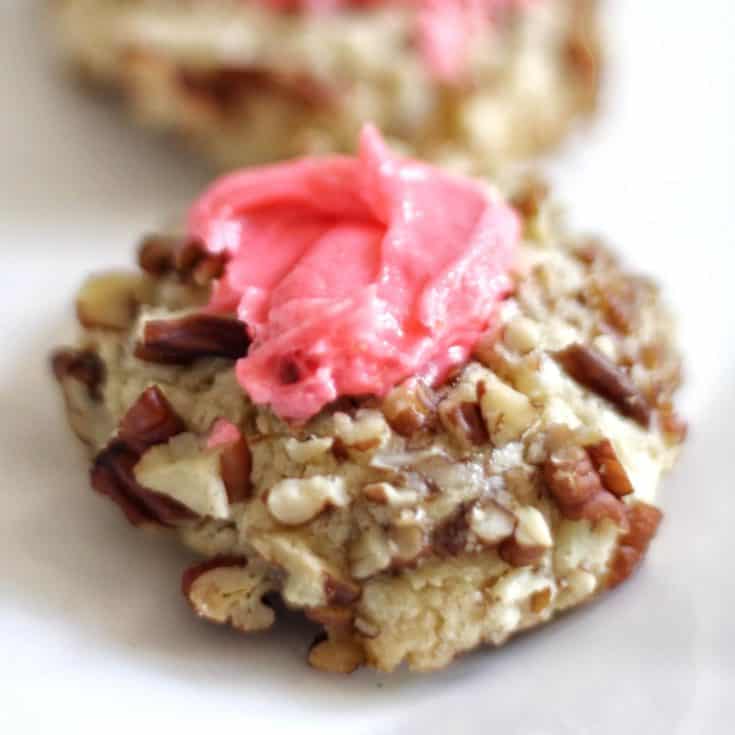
(150, 420)
(602, 376)
(643, 521)
(112, 475)
(610, 470)
(182, 341)
(82, 365)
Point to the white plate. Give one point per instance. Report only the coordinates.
(94, 633)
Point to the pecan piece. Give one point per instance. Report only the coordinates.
(182, 341)
(112, 475)
(570, 476)
(226, 590)
(82, 365)
(578, 489)
(410, 407)
(602, 376)
(150, 420)
(609, 468)
(450, 536)
(643, 521)
(528, 200)
(160, 255)
(467, 418)
(340, 592)
(340, 655)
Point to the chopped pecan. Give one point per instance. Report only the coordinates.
(150, 420)
(450, 536)
(578, 489)
(332, 615)
(643, 521)
(340, 592)
(608, 466)
(531, 196)
(519, 555)
(540, 600)
(336, 656)
(468, 420)
(410, 407)
(187, 257)
(226, 590)
(602, 376)
(110, 301)
(226, 87)
(82, 365)
(582, 57)
(235, 465)
(600, 506)
(112, 475)
(570, 476)
(182, 341)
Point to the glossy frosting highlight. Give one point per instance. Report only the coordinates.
(352, 274)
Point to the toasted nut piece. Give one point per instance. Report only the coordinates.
(156, 254)
(602, 376)
(370, 554)
(517, 555)
(407, 543)
(600, 506)
(530, 197)
(530, 540)
(491, 523)
(643, 520)
(111, 300)
(450, 536)
(227, 590)
(185, 471)
(235, 459)
(540, 600)
(532, 528)
(182, 341)
(331, 615)
(82, 365)
(367, 432)
(383, 493)
(410, 407)
(341, 656)
(608, 466)
(570, 476)
(150, 420)
(507, 412)
(340, 591)
(465, 421)
(112, 475)
(296, 501)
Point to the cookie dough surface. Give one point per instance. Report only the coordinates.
(415, 527)
(244, 84)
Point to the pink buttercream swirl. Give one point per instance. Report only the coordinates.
(352, 274)
(444, 28)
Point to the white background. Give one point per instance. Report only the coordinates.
(94, 636)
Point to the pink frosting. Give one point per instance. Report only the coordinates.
(353, 273)
(444, 28)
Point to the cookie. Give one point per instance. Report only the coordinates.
(413, 524)
(249, 82)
